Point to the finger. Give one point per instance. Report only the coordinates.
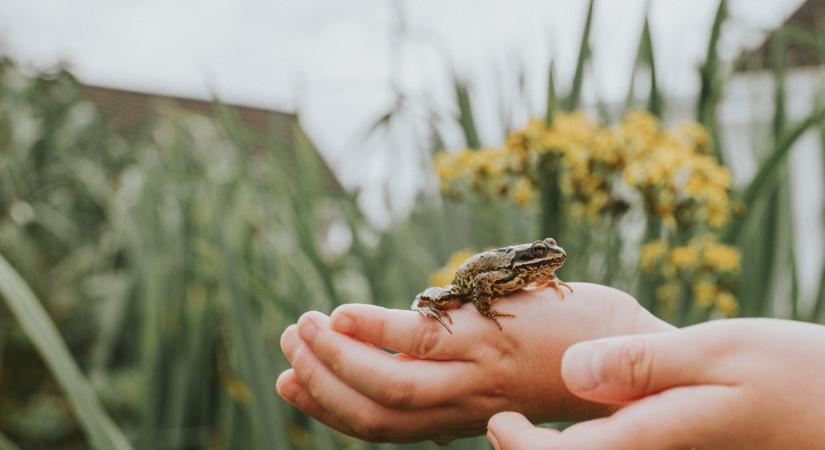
(407, 331)
(625, 368)
(289, 341)
(685, 417)
(512, 431)
(368, 419)
(289, 387)
(394, 382)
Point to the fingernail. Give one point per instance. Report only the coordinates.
(582, 366)
(288, 392)
(493, 441)
(307, 331)
(289, 342)
(343, 323)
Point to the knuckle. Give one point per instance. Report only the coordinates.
(426, 341)
(368, 425)
(335, 358)
(305, 370)
(634, 364)
(398, 393)
(381, 331)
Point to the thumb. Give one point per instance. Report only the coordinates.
(625, 368)
(512, 431)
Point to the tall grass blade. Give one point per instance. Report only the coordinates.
(574, 99)
(767, 168)
(35, 322)
(655, 102)
(711, 84)
(7, 444)
(551, 96)
(645, 58)
(465, 115)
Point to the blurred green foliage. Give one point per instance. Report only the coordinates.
(171, 255)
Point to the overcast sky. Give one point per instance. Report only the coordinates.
(339, 63)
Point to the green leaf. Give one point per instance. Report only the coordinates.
(708, 70)
(768, 167)
(7, 444)
(645, 58)
(551, 96)
(574, 98)
(35, 322)
(465, 115)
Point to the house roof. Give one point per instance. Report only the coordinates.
(126, 109)
(810, 19)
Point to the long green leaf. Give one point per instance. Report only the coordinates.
(768, 167)
(709, 68)
(551, 96)
(465, 115)
(29, 313)
(645, 57)
(7, 444)
(711, 87)
(574, 98)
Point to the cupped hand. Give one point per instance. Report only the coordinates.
(433, 385)
(731, 384)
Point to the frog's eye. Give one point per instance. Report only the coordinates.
(539, 248)
(551, 242)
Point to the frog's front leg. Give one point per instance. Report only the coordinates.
(483, 294)
(434, 302)
(553, 283)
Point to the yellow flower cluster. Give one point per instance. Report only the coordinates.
(677, 179)
(445, 275)
(703, 266)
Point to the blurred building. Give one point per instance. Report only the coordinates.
(126, 109)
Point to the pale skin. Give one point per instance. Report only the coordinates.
(441, 386)
(731, 384)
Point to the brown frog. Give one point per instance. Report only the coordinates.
(495, 273)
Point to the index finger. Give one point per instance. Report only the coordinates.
(407, 331)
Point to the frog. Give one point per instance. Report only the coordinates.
(486, 276)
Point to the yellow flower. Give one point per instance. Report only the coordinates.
(490, 161)
(704, 293)
(668, 292)
(445, 275)
(694, 135)
(651, 254)
(726, 303)
(721, 257)
(523, 192)
(684, 257)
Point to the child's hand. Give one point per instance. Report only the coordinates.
(732, 384)
(441, 386)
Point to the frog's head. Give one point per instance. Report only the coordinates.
(544, 254)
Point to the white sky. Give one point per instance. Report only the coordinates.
(336, 62)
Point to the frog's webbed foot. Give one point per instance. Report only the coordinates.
(485, 307)
(554, 284)
(494, 315)
(437, 314)
(431, 311)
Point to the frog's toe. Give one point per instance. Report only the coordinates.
(437, 314)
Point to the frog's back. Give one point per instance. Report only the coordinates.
(479, 263)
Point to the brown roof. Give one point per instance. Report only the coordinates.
(809, 19)
(126, 109)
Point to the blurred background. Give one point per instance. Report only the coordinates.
(179, 181)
